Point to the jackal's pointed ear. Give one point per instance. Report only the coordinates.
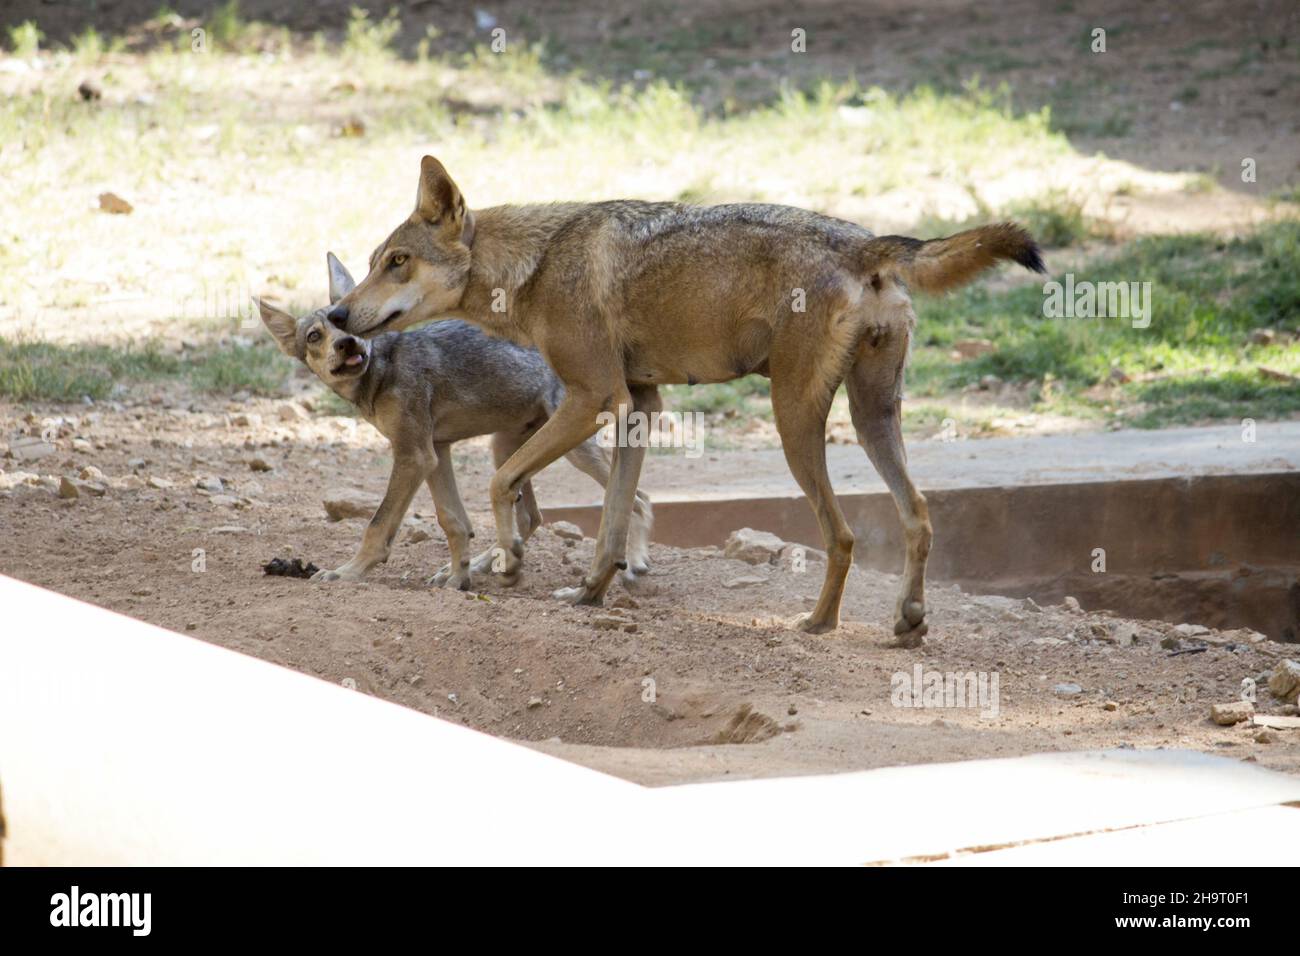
(341, 281)
(438, 200)
(282, 326)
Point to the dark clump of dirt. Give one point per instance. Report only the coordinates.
(281, 567)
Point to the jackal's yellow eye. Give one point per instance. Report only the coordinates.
(398, 260)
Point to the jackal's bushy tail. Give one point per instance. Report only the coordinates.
(936, 265)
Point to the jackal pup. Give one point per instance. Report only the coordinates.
(424, 390)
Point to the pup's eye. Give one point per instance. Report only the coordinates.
(313, 336)
(398, 260)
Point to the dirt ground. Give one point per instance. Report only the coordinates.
(700, 680)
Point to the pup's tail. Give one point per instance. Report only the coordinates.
(936, 265)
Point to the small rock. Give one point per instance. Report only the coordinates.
(115, 204)
(419, 533)
(225, 501)
(745, 581)
(566, 530)
(1072, 604)
(1191, 630)
(67, 489)
(1029, 604)
(135, 464)
(753, 547)
(289, 412)
(82, 445)
(1110, 706)
(1262, 337)
(1170, 642)
(988, 382)
(1067, 689)
(613, 622)
(229, 529)
(13, 479)
(91, 473)
(534, 703)
(353, 504)
(247, 420)
(792, 710)
(1225, 715)
(1284, 682)
(31, 449)
(210, 483)
(1266, 736)
(1274, 722)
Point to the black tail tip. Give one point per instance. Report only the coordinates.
(1031, 257)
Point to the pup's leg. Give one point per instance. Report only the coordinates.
(874, 384)
(453, 520)
(409, 469)
(620, 499)
(573, 422)
(590, 459)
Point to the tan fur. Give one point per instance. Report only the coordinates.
(621, 297)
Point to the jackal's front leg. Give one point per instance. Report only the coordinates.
(377, 542)
(620, 504)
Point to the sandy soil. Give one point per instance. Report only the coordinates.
(735, 691)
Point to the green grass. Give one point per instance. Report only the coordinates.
(44, 371)
(1207, 295)
(25, 39)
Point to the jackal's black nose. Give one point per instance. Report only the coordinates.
(338, 316)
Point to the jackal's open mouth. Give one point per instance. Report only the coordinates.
(353, 364)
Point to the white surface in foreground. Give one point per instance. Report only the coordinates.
(122, 743)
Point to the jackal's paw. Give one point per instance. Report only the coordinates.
(809, 625)
(910, 626)
(579, 595)
(338, 574)
(508, 579)
(909, 638)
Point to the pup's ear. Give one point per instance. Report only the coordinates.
(282, 326)
(438, 200)
(341, 281)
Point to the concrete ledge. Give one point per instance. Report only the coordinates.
(1037, 540)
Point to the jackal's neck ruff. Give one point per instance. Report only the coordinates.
(509, 245)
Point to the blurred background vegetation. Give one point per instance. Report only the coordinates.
(247, 139)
